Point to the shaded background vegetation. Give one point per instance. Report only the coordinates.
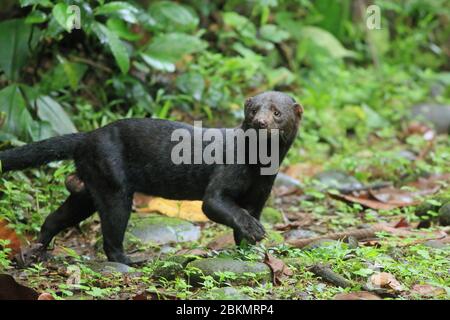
(199, 59)
(186, 60)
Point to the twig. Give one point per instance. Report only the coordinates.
(358, 234)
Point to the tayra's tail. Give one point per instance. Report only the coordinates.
(41, 152)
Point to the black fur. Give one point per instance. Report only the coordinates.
(134, 155)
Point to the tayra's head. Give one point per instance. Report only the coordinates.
(273, 110)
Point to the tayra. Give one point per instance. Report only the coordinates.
(134, 155)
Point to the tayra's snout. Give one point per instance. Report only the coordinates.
(261, 123)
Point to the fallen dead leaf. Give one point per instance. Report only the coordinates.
(302, 170)
(366, 202)
(386, 281)
(11, 290)
(45, 296)
(222, 242)
(7, 233)
(279, 269)
(360, 295)
(187, 210)
(427, 290)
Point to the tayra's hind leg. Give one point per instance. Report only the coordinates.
(76, 208)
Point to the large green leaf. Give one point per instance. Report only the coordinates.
(51, 111)
(120, 28)
(172, 16)
(14, 52)
(191, 83)
(17, 118)
(61, 15)
(167, 49)
(117, 47)
(121, 9)
(324, 40)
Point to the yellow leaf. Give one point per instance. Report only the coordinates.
(187, 210)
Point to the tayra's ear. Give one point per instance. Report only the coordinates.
(248, 102)
(298, 110)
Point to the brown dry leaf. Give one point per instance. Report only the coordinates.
(45, 296)
(7, 233)
(222, 242)
(11, 290)
(386, 281)
(187, 210)
(293, 225)
(301, 170)
(279, 269)
(393, 196)
(360, 295)
(427, 290)
(366, 202)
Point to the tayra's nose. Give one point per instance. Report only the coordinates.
(262, 123)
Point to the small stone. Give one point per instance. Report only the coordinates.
(436, 244)
(334, 179)
(437, 115)
(284, 180)
(321, 243)
(299, 234)
(444, 215)
(352, 242)
(109, 267)
(239, 269)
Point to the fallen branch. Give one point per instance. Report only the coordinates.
(358, 234)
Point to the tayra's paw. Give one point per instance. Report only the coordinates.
(120, 257)
(248, 228)
(32, 254)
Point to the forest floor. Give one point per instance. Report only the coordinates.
(388, 256)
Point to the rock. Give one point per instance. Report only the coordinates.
(299, 234)
(272, 216)
(172, 267)
(436, 244)
(334, 179)
(228, 293)
(156, 229)
(437, 203)
(437, 115)
(284, 180)
(109, 267)
(444, 215)
(352, 242)
(406, 154)
(321, 243)
(210, 266)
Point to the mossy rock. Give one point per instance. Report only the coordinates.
(172, 267)
(434, 205)
(157, 229)
(242, 272)
(109, 267)
(335, 179)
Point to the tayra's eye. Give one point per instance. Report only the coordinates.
(277, 113)
(254, 111)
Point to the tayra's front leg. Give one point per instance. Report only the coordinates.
(224, 210)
